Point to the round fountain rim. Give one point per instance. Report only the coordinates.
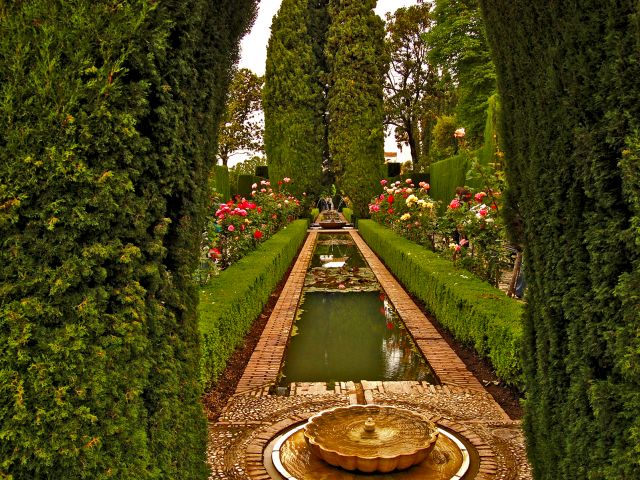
(286, 434)
(409, 452)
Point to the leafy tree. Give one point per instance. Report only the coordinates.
(458, 45)
(570, 104)
(109, 112)
(444, 142)
(293, 100)
(241, 128)
(357, 63)
(413, 94)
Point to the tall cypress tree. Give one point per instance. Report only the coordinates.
(567, 75)
(293, 100)
(318, 26)
(109, 113)
(355, 54)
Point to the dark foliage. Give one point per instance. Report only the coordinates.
(293, 100)
(357, 65)
(108, 113)
(568, 79)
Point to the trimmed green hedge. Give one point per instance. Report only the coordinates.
(446, 175)
(348, 213)
(219, 179)
(471, 309)
(232, 301)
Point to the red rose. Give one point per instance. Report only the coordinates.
(390, 199)
(257, 234)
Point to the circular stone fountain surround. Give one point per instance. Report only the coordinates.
(289, 455)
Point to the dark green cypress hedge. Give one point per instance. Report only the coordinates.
(568, 80)
(108, 111)
(357, 63)
(447, 175)
(219, 181)
(244, 184)
(293, 101)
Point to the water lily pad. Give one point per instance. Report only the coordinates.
(343, 279)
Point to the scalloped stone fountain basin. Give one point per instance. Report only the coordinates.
(371, 438)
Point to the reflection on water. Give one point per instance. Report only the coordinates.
(337, 247)
(351, 336)
(346, 328)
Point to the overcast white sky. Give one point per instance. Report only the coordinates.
(254, 45)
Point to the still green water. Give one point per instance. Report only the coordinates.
(351, 336)
(346, 328)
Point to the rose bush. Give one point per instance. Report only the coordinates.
(470, 231)
(236, 227)
(407, 210)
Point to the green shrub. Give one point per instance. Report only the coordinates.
(219, 181)
(475, 312)
(108, 113)
(447, 175)
(235, 298)
(314, 214)
(348, 213)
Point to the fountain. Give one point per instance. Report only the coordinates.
(331, 219)
(347, 443)
(371, 438)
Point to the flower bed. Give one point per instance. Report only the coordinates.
(235, 228)
(470, 232)
(472, 310)
(233, 300)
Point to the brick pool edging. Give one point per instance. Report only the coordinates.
(264, 364)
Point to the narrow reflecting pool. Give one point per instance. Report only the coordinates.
(346, 328)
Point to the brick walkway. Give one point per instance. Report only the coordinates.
(264, 364)
(443, 360)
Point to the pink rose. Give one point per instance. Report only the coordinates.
(231, 228)
(479, 196)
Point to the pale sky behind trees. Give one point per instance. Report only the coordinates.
(253, 53)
